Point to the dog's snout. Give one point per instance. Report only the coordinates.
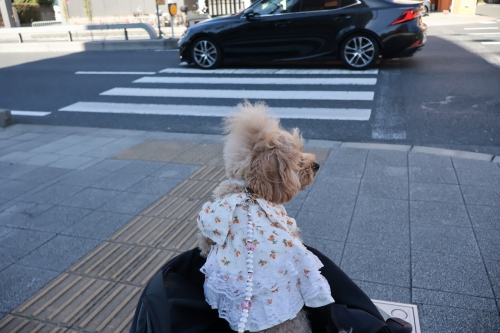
(315, 167)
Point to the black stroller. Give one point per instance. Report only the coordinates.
(174, 302)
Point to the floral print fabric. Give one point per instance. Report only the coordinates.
(286, 274)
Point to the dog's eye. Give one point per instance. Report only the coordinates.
(315, 167)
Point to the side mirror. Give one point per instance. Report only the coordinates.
(249, 14)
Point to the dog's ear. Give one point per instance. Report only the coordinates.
(273, 174)
(298, 138)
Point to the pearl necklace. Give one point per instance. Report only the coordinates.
(246, 305)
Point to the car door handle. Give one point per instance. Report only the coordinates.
(281, 24)
(342, 17)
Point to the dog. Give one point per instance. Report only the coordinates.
(266, 168)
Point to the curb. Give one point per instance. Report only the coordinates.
(143, 44)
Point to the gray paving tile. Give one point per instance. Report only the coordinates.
(16, 171)
(25, 146)
(433, 175)
(439, 319)
(73, 139)
(331, 249)
(438, 213)
(56, 219)
(484, 217)
(387, 157)
(91, 198)
(429, 160)
(489, 177)
(389, 188)
(7, 143)
(323, 200)
(435, 192)
(481, 195)
(466, 163)
(113, 148)
(347, 156)
(27, 136)
(17, 156)
(385, 266)
(493, 268)
(171, 170)
(331, 225)
(71, 162)
(98, 225)
(59, 253)
(75, 150)
(109, 166)
(450, 240)
(385, 292)
(342, 170)
(53, 194)
(130, 203)
(4, 231)
(461, 275)
(42, 174)
(435, 297)
(335, 186)
(385, 172)
(119, 181)
(489, 242)
(142, 167)
(83, 178)
(4, 165)
(380, 223)
(20, 242)
(18, 213)
(4, 265)
(14, 188)
(49, 148)
(154, 185)
(42, 159)
(18, 283)
(4, 134)
(90, 164)
(97, 141)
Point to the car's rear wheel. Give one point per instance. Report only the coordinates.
(359, 51)
(206, 53)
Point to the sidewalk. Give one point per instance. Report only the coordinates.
(87, 215)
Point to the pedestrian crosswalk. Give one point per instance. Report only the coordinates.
(325, 94)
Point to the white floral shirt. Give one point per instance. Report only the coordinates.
(286, 274)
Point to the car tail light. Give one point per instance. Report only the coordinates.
(407, 15)
(417, 43)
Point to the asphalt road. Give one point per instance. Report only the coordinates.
(445, 96)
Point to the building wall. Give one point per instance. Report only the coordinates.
(104, 8)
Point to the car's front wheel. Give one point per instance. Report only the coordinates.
(206, 53)
(359, 51)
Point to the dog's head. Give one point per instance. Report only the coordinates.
(266, 157)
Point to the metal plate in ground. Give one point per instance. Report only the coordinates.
(407, 312)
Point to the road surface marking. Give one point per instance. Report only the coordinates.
(489, 22)
(117, 73)
(484, 33)
(267, 71)
(382, 134)
(243, 94)
(216, 111)
(29, 113)
(488, 28)
(491, 43)
(258, 80)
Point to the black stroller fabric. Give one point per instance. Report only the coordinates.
(174, 302)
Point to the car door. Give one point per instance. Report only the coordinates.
(319, 23)
(264, 32)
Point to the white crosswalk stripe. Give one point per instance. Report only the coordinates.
(256, 80)
(324, 94)
(243, 94)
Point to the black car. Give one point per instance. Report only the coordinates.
(356, 31)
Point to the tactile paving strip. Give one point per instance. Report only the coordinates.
(99, 292)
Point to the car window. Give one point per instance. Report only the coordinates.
(272, 7)
(345, 3)
(312, 5)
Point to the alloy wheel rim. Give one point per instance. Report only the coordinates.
(359, 51)
(205, 53)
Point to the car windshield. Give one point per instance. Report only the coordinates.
(271, 7)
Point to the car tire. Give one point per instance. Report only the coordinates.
(359, 51)
(206, 54)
